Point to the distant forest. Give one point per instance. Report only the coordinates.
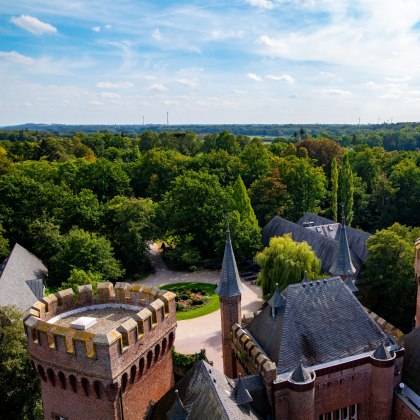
(398, 136)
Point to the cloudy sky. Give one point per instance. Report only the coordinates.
(237, 61)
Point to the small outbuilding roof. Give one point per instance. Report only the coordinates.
(21, 279)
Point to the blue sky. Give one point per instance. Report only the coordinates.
(240, 61)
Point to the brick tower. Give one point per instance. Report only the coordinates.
(105, 356)
(417, 271)
(229, 291)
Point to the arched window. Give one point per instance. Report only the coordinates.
(85, 386)
(73, 383)
(41, 373)
(133, 372)
(157, 352)
(97, 387)
(141, 366)
(171, 340)
(51, 376)
(124, 381)
(164, 344)
(149, 359)
(62, 380)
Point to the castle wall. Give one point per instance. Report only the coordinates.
(403, 410)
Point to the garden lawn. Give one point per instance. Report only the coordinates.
(212, 305)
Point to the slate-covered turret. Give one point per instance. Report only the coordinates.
(229, 291)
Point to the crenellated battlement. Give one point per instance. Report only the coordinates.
(144, 312)
(253, 357)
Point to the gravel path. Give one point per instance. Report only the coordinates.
(204, 332)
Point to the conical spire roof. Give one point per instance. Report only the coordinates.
(242, 395)
(381, 353)
(300, 374)
(230, 282)
(177, 411)
(276, 301)
(342, 265)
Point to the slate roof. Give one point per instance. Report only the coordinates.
(411, 366)
(324, 246)
(230, 282)
(322, 321)
(207, 394)
(21, 279)
(357, 238)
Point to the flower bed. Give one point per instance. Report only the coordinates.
(193, 299)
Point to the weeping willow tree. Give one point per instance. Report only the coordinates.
(284, 262)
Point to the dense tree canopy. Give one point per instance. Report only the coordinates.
(19, 385)
(389, 274)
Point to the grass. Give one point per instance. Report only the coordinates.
(212, 305)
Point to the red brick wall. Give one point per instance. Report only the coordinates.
(230, 310)
(73, 406)
(381, 392)
(156, 382)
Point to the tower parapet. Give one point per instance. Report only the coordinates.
(101, 344)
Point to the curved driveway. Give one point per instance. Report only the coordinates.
(204, 332)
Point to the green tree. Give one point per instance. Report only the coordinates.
(131, 224)
(46, 237)
(79, 278)
(4, 244)
(284, 262)
(269, 197)
(195, 206)
(389, 274)
(306, 185)
(334, 189)
(19, 385)
(87, 251)
(246, 234)
(256, 161)
(346, 189)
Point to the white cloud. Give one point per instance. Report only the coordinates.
(110, 85)
(96, 29)
(371, 85)
(262, 4)
(156, 34)
(278, 46)
(33, 25)
(96, 103)
(335, 92)
(254, 77)
(223, 34)
(397, 79)
(168, 103)
(110, 95)
(16, 57)
(158, 87)
(108, 26)
(188, 82)
(284, 78)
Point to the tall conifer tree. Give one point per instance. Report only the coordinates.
(346, 187)
(334, 189)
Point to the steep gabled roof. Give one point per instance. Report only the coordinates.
(207, 394)
(323, 246)
(230, 282)
(322, 321)
(21, 279)
(356, 237)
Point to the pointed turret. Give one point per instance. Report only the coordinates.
(342, 265)
(229, 291)
(230, 282)
(277, 301)
(242, 395)
(381, 353)
(300, 375)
